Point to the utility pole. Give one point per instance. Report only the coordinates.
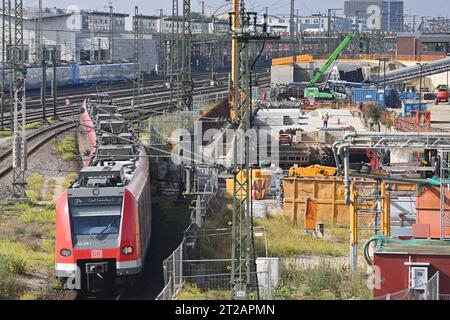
(40, 57)
(6, 45)
(174, 77)
(162, 47)
(111, 33)
(92, 30)
(292, 31)
(243, 255)
(44, 90)
(138, 43)
(187, 85)
(19, 149)
(38, 36)
(55, 85)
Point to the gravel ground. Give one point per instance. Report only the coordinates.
(46, 162)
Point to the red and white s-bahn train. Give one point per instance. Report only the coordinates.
(103, 220)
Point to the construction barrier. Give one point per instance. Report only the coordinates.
(329, 192)
(305, 58)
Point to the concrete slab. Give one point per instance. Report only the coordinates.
(340, 119)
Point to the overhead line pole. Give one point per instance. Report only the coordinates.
(111, 33)
(6, 45)
(242, 25)
(19, 130)
(186, 59)
(292, 30)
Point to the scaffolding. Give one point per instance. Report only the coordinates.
(397, 140)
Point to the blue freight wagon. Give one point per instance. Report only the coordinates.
(75, 75)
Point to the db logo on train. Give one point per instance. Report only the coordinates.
(96, 254)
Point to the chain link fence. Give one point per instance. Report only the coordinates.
(427, 291)
(203, 260)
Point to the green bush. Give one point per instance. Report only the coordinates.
(323, 277)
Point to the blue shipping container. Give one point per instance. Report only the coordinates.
(364, 95)
(410, 105)
(370, 95)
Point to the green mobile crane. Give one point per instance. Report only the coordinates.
(312, 91)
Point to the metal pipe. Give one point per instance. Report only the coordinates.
(387, 178)
(347, 176)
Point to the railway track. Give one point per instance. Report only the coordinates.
(34, 142)
(75, 93)
(123, 96)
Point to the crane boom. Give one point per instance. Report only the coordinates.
(319, 74)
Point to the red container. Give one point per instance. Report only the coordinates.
(429, 212)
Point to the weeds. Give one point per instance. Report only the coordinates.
(33, 125)
(9, 289)
(192, 292)
(286, 239)
(26, 246)
(5, 133)
(71, 177)
(67, 149)
(324, 281)
(35, 184)
(50, 192)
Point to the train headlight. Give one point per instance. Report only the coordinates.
(65, 252)
(127, 250)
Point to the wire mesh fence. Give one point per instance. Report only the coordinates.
(203, 260)
(426, 291)
(203, 100)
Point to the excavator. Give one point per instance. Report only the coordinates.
(313, 91)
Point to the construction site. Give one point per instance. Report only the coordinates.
(222, 151)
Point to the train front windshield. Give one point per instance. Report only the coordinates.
(96, 225)
(97, 217)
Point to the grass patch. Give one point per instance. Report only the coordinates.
(35, 184)
(33, 125)
(5, 133)
(71, 177)
(321, 282)
(50, 192)
(45, 216)
(9, 289)
(27, 242)
(192, 292)
(67, 149)
(286, 239)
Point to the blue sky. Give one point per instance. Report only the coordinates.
(419, 7)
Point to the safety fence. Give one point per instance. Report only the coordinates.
(203, 261)
(406, 124)
(202, 100)
(426, 291)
